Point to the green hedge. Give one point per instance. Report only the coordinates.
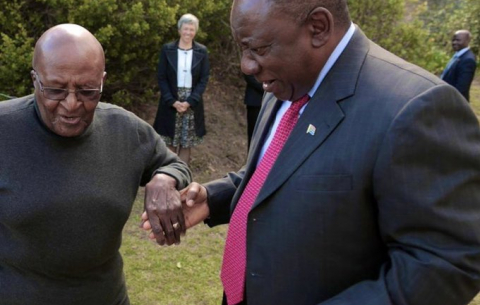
(132, 33)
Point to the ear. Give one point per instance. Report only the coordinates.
(33, 76)
(320, 24)
(104, 77)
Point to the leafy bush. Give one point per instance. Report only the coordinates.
(132, 33)
(386, 23)
(442, 22)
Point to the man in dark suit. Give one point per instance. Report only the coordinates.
(253, 102)
(460, 70)
(374, 198)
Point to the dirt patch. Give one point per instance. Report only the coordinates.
(224, 148)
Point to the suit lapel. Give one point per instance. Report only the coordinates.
(322, 111)
(172, 56)
(266, 117)
(197, 56)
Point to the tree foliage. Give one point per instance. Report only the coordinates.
(394, 24)
(442, 20)
(132, 32)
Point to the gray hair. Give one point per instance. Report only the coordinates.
(190, 19)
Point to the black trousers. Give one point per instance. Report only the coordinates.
(224, 301)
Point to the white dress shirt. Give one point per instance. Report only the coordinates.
(184, 68)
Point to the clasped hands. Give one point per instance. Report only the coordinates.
(169, 213)
(181, 106)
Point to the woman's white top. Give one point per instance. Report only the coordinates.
(184, 68)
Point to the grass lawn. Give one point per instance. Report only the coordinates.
(187, 274)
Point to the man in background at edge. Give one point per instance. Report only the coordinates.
(374, 198)
(253, 102)
(460, 70)
(70, 168)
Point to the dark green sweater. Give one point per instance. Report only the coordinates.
(65, 201)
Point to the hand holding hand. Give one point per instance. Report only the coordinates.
(178, 106)
(194, 204)
(194, 194)
(164, 209)
(185, 105)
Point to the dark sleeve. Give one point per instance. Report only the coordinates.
(427, 185)
(159, 159)
(253, 83)
(466, 72)
(220, 194)
(166, 93)
(197, 92)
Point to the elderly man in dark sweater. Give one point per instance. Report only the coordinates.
(70, 168)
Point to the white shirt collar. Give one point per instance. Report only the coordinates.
(461, 52)
(333, 58)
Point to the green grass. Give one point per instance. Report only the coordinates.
(178, 275)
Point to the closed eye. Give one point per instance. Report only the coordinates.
(260, 50)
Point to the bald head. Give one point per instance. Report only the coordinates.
(67, 40)
(465, 33)
(68, 58)
(461, 39)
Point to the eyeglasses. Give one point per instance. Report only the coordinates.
(59, 94)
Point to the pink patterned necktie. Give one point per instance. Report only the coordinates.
(234, 256)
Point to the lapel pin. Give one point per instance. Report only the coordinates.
(311, 129)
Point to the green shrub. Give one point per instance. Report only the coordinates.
(132, 33)
(441, 22)
(386, 23)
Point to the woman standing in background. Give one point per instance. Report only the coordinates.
(183, 72)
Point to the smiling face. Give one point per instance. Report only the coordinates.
(460, 40)
(187, 33)
(276, 49)
(68, 63)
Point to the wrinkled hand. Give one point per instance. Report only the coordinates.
(194, 204)
(164, 209)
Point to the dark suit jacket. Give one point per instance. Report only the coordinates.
(253, 91)
(167, 81)
(253, 101)
(461, 73)
(380, 206)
